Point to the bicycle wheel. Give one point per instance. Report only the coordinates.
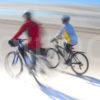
(13, 64)
(53, 58)
(79, 63)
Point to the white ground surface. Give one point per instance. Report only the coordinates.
(58, 84)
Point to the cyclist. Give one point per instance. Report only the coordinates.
(33, 31)
(68, 33)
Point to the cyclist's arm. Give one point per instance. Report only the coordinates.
(20, 31)
(59, 36)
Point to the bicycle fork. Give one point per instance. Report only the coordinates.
(15, 58)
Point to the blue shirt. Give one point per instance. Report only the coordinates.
(71, 32)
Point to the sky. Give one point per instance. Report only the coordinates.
(53, 1)
(13, 11)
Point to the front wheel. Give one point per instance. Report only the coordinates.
(13, 64)
(79, 63)
(53, 58)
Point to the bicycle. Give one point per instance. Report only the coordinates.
(72, 58)
(15, 60)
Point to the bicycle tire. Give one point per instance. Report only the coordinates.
(87, 63)
(7, 67)
(50, 65)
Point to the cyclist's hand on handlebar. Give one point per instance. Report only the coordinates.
(11, 43)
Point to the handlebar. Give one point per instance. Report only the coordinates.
(20, 40)
(54, 40)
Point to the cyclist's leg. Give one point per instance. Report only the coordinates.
(40, 51)
(33, 56)
(67, 47)
(37, 51)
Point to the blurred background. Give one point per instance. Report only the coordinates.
(85, 17)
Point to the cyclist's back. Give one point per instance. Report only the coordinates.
(68, 32)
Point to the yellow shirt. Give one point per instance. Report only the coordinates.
(66, 36)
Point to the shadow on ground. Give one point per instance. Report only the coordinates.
(92, 80)
(52, 93)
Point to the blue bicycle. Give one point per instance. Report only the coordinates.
(15, 60)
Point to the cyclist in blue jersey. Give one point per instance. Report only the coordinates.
(68, 32)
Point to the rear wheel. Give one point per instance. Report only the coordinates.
(53, 58)
(13, 64)
(79, 63)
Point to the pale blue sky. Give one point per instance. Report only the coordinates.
(16, 12)
(53, 1)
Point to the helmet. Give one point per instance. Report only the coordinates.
(27, 14)
(66, 19)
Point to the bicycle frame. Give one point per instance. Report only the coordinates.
(15, 58)
(23, 54)
(60, 52)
